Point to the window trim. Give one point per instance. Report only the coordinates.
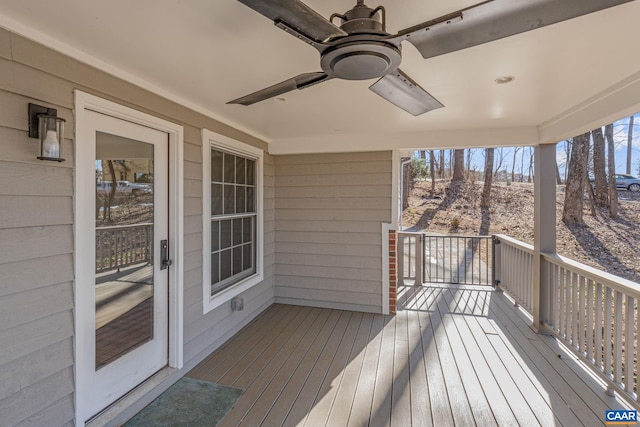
(214, 140)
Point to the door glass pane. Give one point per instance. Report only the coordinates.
(124, 285)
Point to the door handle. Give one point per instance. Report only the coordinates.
(165, 262)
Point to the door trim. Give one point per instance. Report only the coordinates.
(85, 102)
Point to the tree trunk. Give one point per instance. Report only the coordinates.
(629, 144)
(441, 174)
(513, 164)
(458, 168)
(500, 160)
(599, 170)
(558, 177)
(530, 172)
(406, 182)
(112, 191)
(574, 191)
(522, 166)
(432, 169)
(488, 177)
(613, 192)
(591, 195)
(567, 152)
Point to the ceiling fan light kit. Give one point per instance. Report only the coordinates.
(361, 49)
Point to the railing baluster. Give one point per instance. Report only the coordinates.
(590, 328)
(628, 344)
(575, 282)
(608, 323)
(599, 325)
(618, 339)
(637, 338)
(563, 308)
(581, 323)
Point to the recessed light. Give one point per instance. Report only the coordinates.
(504, 79)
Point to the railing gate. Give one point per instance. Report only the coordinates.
(463, 260)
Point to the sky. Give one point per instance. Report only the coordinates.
(620, 133)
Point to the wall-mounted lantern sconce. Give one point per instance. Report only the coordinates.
(45, 124)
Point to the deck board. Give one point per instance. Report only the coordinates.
(452, 356)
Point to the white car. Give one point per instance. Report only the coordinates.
(124, 187)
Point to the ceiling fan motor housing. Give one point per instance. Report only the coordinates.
(362, 19)
(363, 54)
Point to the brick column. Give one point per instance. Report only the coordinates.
(393, 274)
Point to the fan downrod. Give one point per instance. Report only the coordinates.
(363, 54)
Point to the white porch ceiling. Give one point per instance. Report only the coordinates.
(205, 53)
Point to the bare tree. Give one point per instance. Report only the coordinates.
(513, 164)
(530, 171)
(458, 168)
(406, 182)
(500, 152)
(488, 177)
(567, 152)
(522, 165)
(558, 177)
(629, 144)
(574, 191)
(613, 193)
(106, 214)
(599, 171)
(441, 174)
(432, 169)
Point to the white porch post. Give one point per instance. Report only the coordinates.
(544, 227)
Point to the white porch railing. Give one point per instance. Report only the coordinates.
(596, 315)
(514, 269)
(123, 245)
(410, 253)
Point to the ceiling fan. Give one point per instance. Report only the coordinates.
(360, 47)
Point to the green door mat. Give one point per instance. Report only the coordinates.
(190, 403)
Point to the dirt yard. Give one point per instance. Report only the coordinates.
(612, 245)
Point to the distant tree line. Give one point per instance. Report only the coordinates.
(590, 158)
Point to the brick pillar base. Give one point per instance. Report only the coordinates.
(393, 273)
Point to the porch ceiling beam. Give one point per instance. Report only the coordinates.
(444, 139)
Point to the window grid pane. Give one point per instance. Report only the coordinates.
(233, 219)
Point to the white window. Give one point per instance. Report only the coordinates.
(232, 225)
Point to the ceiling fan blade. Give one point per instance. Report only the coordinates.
(297, 16)
(493, 20)
(301, 81)
(400, 90)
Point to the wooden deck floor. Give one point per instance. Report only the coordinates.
(452, 356)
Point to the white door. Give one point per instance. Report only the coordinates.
(122, 284)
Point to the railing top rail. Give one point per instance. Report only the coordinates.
(614, 282)
(517, 243)
(461, 236)
(118, 227)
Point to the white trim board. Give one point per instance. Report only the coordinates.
(212, 139)
(85, 103)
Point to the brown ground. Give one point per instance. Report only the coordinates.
(608, 244)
